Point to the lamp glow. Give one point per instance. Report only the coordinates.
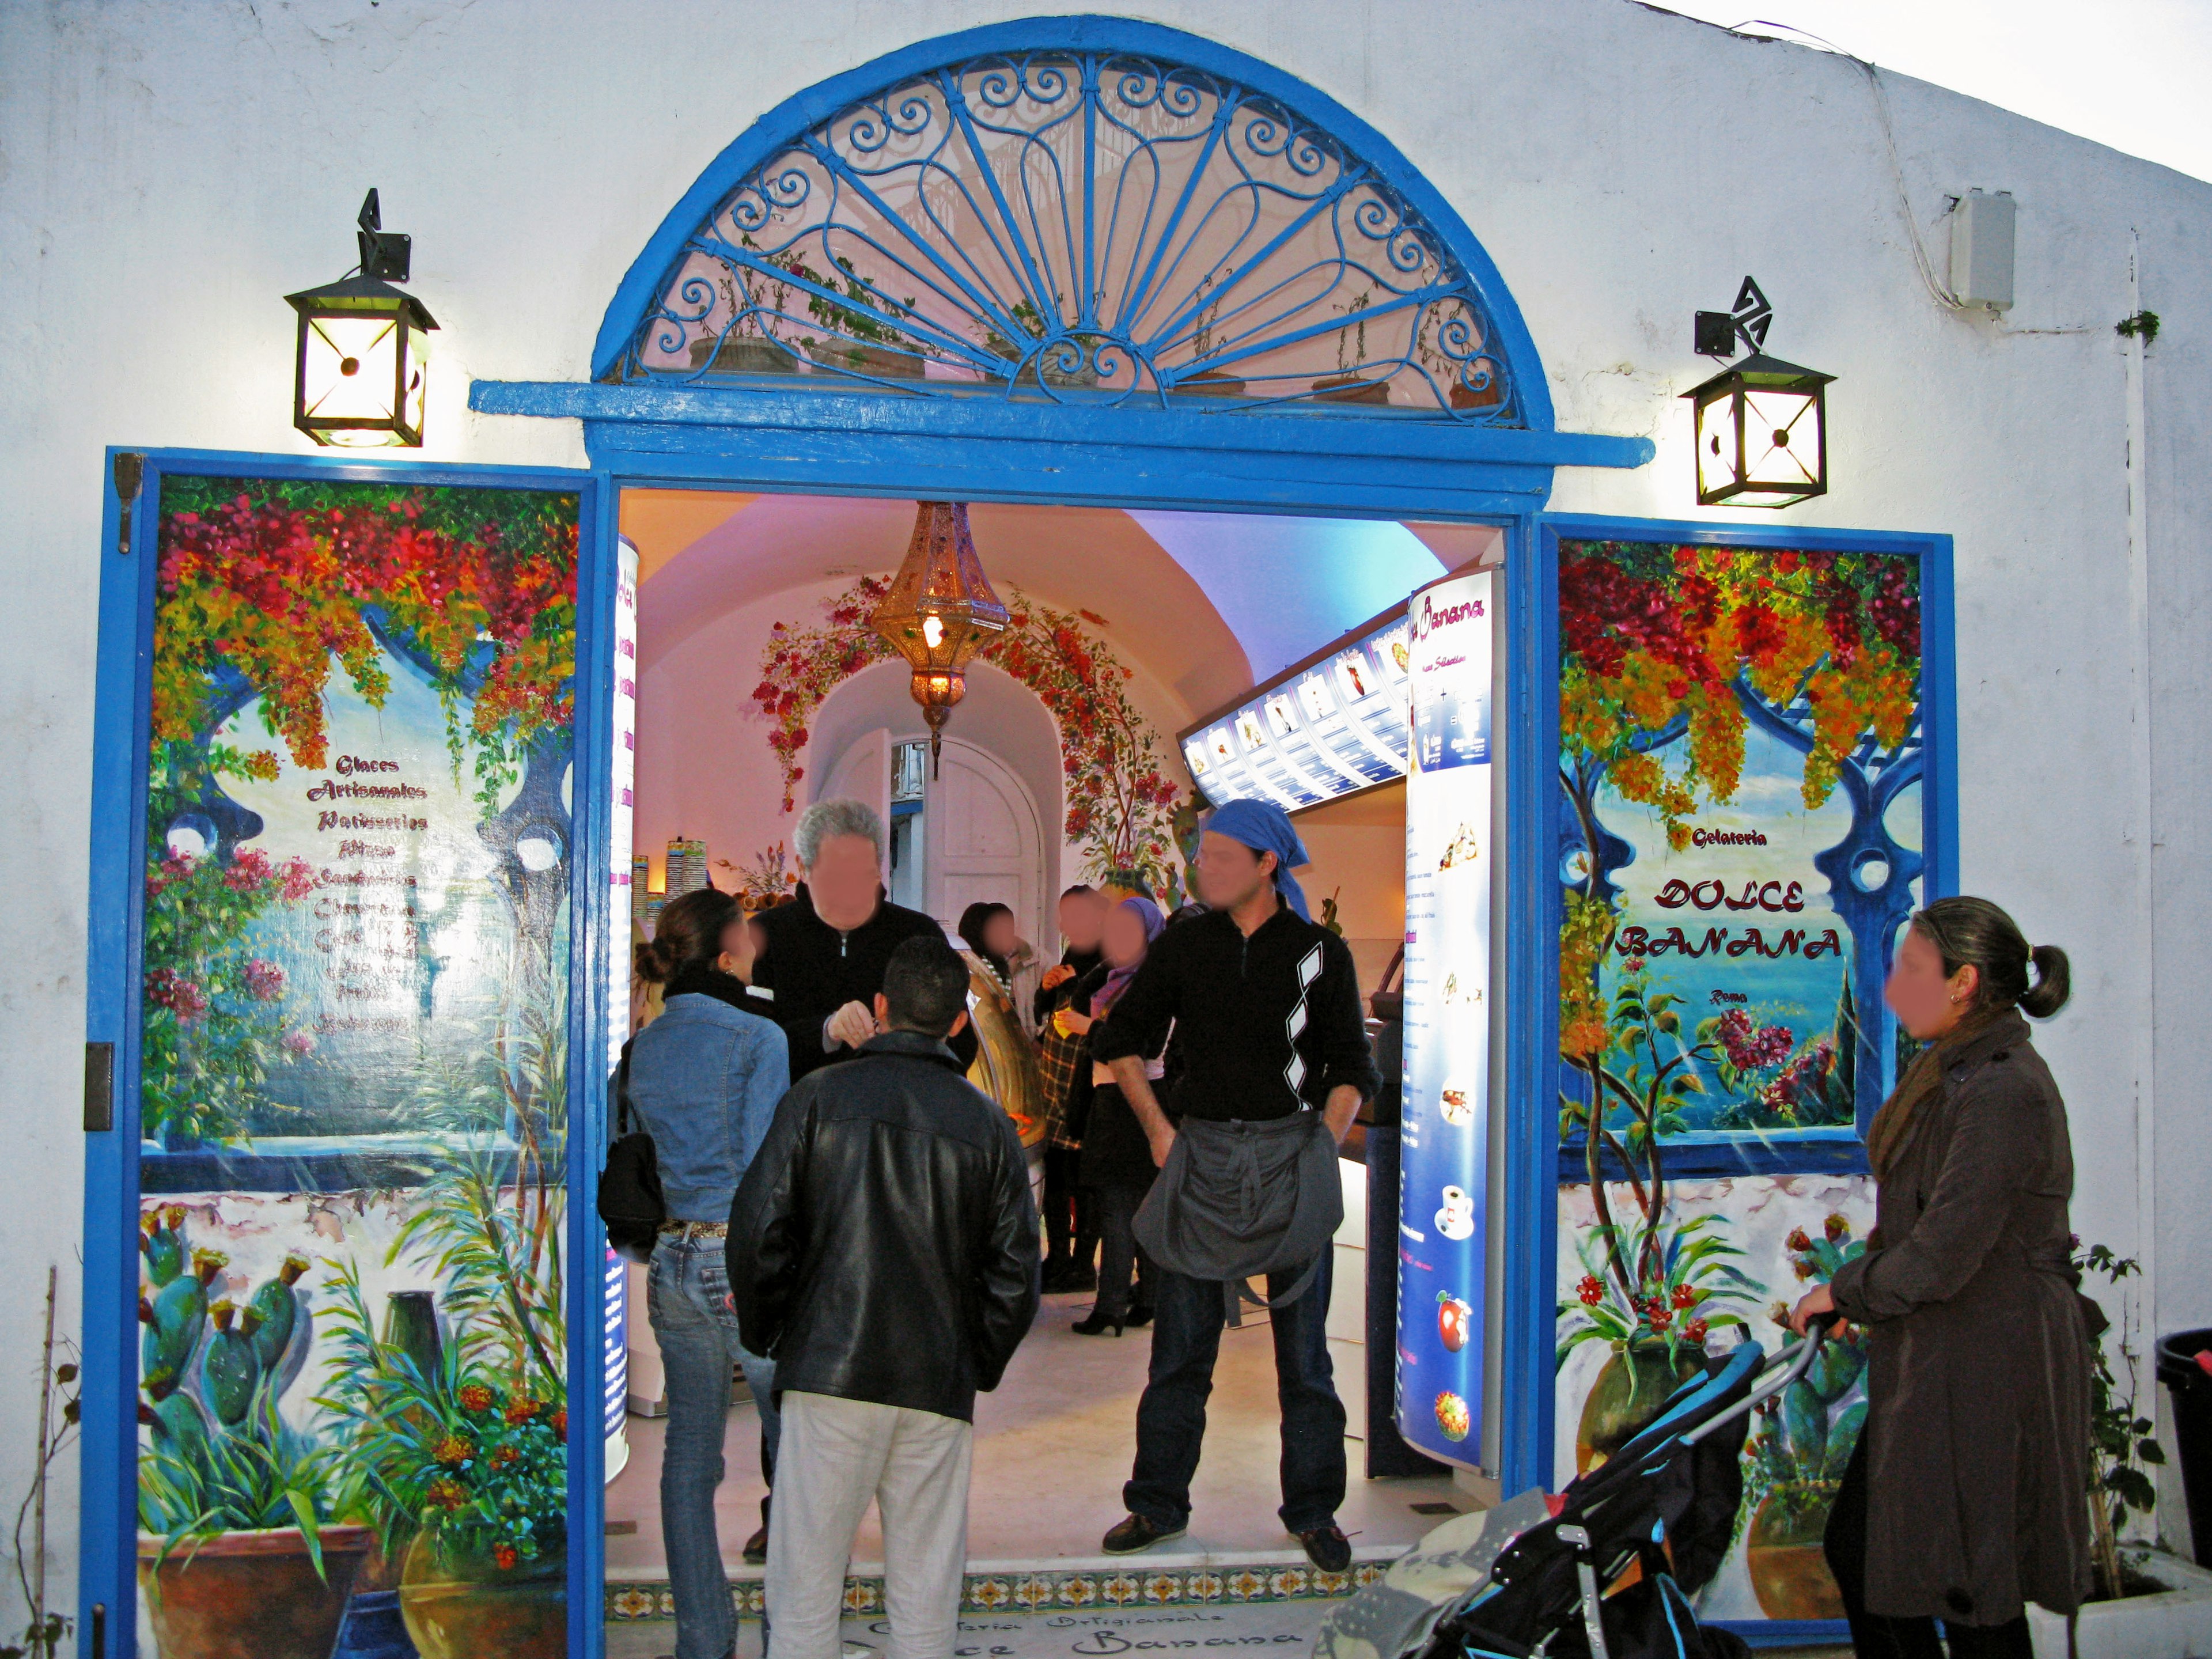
(1762, 438)
(938, 612)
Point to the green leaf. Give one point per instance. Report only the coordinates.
(303, 1508)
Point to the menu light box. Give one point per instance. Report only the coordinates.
(1332, 726)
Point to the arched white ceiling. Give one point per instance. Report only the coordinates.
(1288, 587)
(1208, 604)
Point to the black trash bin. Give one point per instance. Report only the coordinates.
(2190, 1387)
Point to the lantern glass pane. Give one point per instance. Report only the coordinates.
(1782, 439)
(1716, 447)
(348, 367)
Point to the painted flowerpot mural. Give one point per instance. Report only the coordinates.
(1794, 1462)
(252, 1594)
(1655, 1294)
(355, 1088)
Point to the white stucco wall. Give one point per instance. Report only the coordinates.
(167, 173)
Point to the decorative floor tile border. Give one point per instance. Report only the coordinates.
(1036, 1591)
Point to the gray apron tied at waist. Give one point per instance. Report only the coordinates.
(1238, 1199)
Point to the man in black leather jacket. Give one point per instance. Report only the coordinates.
(882, 1247)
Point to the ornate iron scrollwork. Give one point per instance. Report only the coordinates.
(1085, 227)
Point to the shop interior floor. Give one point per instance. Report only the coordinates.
(1277, 1625)
(1053, 1446)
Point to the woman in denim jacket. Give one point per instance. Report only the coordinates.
(705, 1077)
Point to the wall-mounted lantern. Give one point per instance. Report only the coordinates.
(938, 612)
(1761, 425)
(362, 365)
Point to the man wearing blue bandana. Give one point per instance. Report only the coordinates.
(1265, 1006)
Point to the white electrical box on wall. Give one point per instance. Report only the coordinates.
(1981, 249)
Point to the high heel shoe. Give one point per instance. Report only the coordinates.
(1098, 1325)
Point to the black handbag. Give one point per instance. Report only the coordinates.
(630, 1200)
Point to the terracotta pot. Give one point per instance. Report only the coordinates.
(879, 362)
(1789, 1572)
(1351, 389)
(456, 1608)
(744, 353)
(1211, 383)
(250, 1595)
(1627, 1396)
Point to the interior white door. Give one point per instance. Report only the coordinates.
(863, 773)
(984, 840)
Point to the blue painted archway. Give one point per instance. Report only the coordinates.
(1049, 393)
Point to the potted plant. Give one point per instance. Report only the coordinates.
(1656, 1321)
(1068, 361)
(1209, 382)
(2145, 1600)
(1353, 381)
(745, 344)
(458, 1452)
(237, 1552)
(1794, 1464)
(859, 341)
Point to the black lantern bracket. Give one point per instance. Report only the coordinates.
(386, 255)
(1717, 332)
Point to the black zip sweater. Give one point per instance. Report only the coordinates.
(1263, 1024)
(809, 970)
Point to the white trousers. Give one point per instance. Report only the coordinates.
(832, 1456)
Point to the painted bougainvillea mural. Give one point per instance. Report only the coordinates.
(354, 1077)
(1740, 772)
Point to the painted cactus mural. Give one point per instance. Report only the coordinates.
(1740, 839)
(355, 1085)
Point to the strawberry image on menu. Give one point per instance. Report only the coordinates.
(1452, 1317)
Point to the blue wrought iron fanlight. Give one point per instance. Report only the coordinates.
(1085, 226)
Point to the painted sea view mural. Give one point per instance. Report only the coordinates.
(352, 1383)
(1740, 813)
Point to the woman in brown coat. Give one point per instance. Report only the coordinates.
(1967, 1495)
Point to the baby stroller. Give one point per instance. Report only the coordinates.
(1604, 1571)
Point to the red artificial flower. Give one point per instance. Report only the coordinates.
(475, 1397)
(1797, 1240)
(503, 1556)
(1591, 1290)
(1694, 1332)
(522, 1409)
(1686, 1296)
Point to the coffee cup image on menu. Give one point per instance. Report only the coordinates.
(1457, 1219)
(1457, 1102)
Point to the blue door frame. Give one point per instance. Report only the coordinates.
(106, 1578)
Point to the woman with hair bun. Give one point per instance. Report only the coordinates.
(1967, 1497)
(705, 1077)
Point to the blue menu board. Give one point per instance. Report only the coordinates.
(1443, 1192)
(1332, 726)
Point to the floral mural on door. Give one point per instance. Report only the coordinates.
(352, 1385)
(1740, 791)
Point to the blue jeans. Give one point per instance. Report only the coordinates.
(1171, 1416)
(687, 1298)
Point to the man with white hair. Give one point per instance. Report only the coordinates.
(827, 948)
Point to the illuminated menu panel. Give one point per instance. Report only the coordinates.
(1335, 724)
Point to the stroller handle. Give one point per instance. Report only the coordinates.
(1770, 1384)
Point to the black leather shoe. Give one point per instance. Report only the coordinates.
(1327, 1548)
(1139, 1316)
(1136, 1533)
(1097, 1325)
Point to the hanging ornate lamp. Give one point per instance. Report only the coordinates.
(939, 610)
